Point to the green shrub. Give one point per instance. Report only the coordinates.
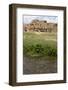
(38, 49)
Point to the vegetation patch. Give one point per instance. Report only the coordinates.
(40, 44)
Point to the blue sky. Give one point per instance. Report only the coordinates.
(28, 18)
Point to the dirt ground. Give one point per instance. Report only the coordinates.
(39, 65)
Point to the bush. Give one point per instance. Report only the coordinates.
(40, 50)
(50, 51)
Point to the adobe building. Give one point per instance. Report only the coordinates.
(40, 26)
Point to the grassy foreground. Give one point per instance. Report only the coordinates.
(37, 44)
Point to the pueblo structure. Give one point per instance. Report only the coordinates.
(40, 26)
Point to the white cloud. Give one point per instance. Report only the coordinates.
(29, 18)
